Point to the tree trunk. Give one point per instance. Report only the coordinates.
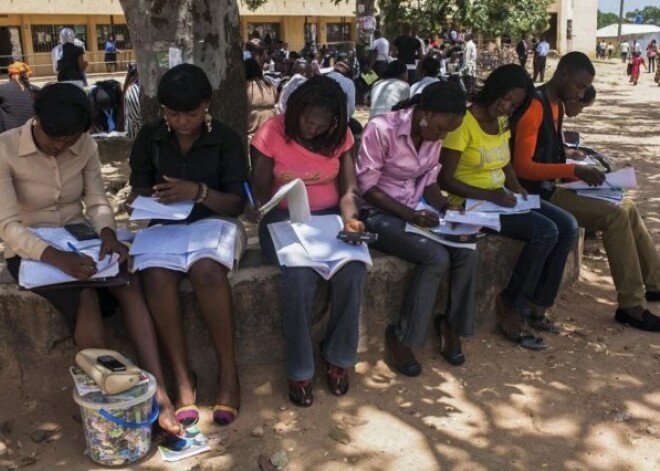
(207, 34)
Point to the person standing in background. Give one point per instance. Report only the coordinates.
(624, 50)
(408, 49)
(610, 50)
(651, 53)
(522, 48)
(71, 62)
(380, 51)
(540, 57)
(111, 52)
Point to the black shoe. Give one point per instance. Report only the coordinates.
(653, 296)
(454, 357)
(400, 357)
(649, 322)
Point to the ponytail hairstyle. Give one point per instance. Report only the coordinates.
(438, 97)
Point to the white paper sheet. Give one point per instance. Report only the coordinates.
(475, 218)
(429, 234)
(150, 208)
(522, 205)
(622, 179)
(297, 201)
(179, 238)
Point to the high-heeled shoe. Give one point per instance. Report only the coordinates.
(189, 415)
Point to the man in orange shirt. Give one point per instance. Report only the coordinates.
(539, 160)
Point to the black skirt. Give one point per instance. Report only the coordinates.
(67, 300)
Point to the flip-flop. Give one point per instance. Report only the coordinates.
(525, 339)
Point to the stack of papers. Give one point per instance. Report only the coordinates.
(522, 205)
(151, 208)
(454, 223)
(178, 246)
(314, 244)
(612, 190)
(624, 179)
(35, 274)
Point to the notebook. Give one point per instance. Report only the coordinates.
(150, 208)
(38, 274)
(178, 246)
(317, 247)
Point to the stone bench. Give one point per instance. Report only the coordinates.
(28, 324)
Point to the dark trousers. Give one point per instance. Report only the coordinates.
(539, 67)
(433, 262)
(297, 288)
(549, 234)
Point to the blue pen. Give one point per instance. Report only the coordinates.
(73, 248)
(246, 186)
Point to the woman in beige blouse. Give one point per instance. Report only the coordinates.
(50, 175)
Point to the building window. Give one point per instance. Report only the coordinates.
(272, 29)
(122, 36)
(569, 29)
(337, 32)
(46, 37)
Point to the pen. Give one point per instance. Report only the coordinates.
(73, 248)
(246, 186)
(612, 186)
(475, 205)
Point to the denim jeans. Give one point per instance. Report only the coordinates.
(433, 262)
(297, 288)
(549, 234)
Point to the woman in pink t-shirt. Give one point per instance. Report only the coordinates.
(311, 141)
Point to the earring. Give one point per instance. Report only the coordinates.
(167, 125)
(423, 123)
(207, 120)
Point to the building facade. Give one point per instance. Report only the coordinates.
(573, 25)
(29, 29)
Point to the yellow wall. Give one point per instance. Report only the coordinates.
(292, 25)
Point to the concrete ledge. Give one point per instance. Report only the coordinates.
(30, 324)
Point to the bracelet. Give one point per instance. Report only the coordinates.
(202, 193)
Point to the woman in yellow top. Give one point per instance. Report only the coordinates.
(476, 163)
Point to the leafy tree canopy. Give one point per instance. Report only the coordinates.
(649, 15)
(606, 19)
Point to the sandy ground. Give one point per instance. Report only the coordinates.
(590, 402)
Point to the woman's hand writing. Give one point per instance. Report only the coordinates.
(175, 190)
(424, 218)
(77, 265)
(502, 197)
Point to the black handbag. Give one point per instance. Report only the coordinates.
(629, 68)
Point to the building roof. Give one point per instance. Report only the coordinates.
(630, 29)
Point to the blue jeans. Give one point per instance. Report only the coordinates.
(297, 288)
(433, 262)
(549, 234)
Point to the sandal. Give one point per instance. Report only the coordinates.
(189, 415)
(300, 392)
(337, 378)
(407, 366)
(454, 357)
(543, 324)
(224, 415)
(524, 338)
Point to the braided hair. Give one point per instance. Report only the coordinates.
(318, 92)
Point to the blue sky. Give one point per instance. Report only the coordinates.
(612, 6)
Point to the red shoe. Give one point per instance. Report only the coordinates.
(337, 378)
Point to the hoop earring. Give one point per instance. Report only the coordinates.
(423, 123)
(207, 120)
(167, 125)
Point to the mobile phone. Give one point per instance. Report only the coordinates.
(81, 231)
(366, 237)
(111, 363)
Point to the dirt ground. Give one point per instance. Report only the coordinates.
(590, 402)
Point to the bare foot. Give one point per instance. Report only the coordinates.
(166, 420)
(186, 391)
